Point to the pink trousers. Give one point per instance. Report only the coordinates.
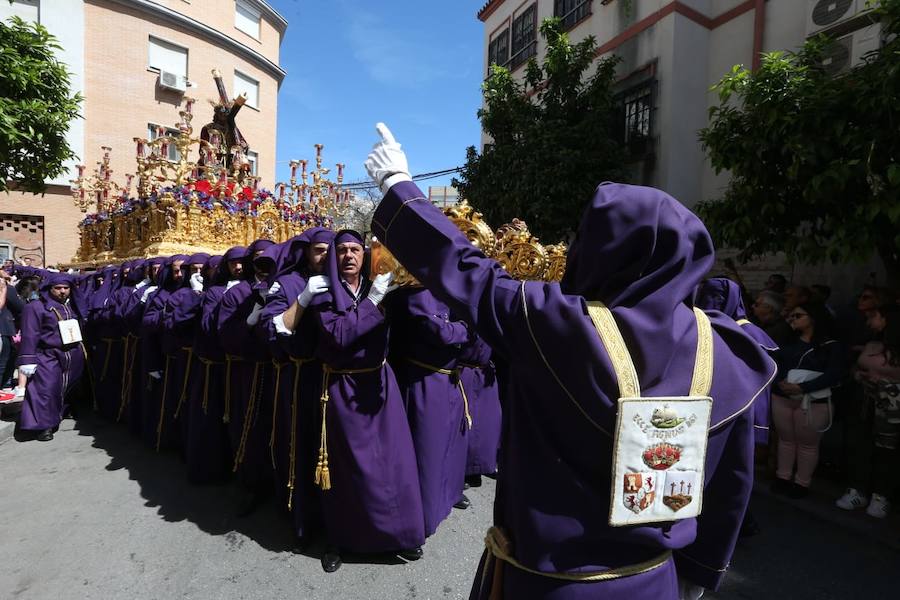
(798, 440)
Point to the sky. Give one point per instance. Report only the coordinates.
(350, 63)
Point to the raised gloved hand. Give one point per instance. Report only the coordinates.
(147, 292)
(27, 370)
(387, 164)
(315, 286)
(381, 287)
(197, 282)
(253, 317)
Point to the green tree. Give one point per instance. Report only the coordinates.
(36, 107)
(814, 159)
(552, 138)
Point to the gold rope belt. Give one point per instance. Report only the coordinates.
(298, 364)
(323, 475)
(500, 549)
(109, 343)
(206, 366)
(184, 382)
(248, 420)
(454, 374)
(462, 365)
(127, 377)
(229, 358)
(278, 366)
(743, 322)
(162, 404)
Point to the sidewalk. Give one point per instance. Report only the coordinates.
(820, 504)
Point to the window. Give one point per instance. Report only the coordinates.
(153, 133)
(637, 106)
(247, 18)
(252, 158)
(524, 36)
(571, 12)
(5, 251)
(498, 49)
(28, 10)
(164, 56)
(246, 85)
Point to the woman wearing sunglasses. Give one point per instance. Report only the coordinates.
(801, 401)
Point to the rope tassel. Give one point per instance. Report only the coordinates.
(323, 475)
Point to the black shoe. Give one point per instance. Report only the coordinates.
(331, 560)
(797, 492)
(463, 503)
(781, 486)
(300, 544)
(473, 481)
(45, 436)
(413, 554)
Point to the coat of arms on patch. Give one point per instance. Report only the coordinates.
(639, 491)
(661, 456)
(679, 489)
(665, 418)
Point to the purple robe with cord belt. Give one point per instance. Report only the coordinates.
(248, 376)
(641, 253)
(58, 366)
(725, 296)
(208, 451)
(374, 504)
(297, 384)
(479, 379)
(421, 331)
(106, 356)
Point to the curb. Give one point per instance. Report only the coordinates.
(7, 428)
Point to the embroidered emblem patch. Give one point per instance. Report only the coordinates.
(662, 456)
(679, 488)
(639, 491)
(659, 457)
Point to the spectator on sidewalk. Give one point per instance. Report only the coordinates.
(776, 283)
(794, 296)
(801, 401)
(10, 310)
(878, 370)
(767, 314)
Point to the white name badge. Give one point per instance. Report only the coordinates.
(659, 454)
(70, 331)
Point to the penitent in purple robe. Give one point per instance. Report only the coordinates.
(641, 253)
(479, 379)
(58, 366)
(725, 296)
(374, 504)
(423, 341)
(297, 385)
(106, 356)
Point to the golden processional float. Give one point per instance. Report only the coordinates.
(181, 206)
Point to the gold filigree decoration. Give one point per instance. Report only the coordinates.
(470, 222)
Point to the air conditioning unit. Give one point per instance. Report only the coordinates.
(846, 52)
(172, 81)
(826, 14)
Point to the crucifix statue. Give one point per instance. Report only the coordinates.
(223, 128)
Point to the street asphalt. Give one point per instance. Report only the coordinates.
(96, 514)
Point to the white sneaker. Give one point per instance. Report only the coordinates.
(851, 500)
(879, 507)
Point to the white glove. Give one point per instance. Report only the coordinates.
(144, 283)
(688, 590)
(387, 163)
(155, 374)
(231, 284)
(27, 370)
(315, 286)
(147, 293)
(381, 286)
(197, 282)
(253, 317)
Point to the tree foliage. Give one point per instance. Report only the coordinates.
(552, 138)
(814, 159)
(36, 107)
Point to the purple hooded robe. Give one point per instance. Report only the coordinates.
(425, 341)
(641, 253)
(374, 503)
(725, 296)
(297, 383)
(106, 350)
(58, 366)
(479, 379)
